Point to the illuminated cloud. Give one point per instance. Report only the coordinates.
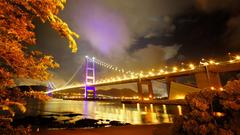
(111, 26)
(104, 29)
(152, 56)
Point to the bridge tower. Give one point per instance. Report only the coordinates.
(50, 87)
(90, 76)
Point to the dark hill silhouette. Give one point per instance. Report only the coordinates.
(110, 92)
(31, 87)
(118, 92)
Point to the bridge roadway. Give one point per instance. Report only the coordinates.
(224, 67)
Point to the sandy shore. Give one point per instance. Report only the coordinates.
(162, 129)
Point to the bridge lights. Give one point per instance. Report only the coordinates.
(141, 74)
(175, 69)
(113, 79)
(191, 66)
(212, 88)
(231, 61)
(161, 71)
(237, 57)
(150, 73)
(211, 62)
(132, 76)
(118, 78)
(183, 69)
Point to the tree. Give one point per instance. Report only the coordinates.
(211, 112)
(16, 34)
(17, 60)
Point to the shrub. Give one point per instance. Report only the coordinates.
(211, 112)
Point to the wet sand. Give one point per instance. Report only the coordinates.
(162, 129)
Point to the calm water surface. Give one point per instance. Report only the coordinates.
(130, 113)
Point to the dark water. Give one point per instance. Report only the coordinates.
(128, 113)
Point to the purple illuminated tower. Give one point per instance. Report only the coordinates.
(90, 76)
(50, 87)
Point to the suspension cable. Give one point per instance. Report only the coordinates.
(72, 77)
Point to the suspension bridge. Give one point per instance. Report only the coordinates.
(206, 75)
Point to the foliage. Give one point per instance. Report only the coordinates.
(16, 34)
(17, 60)
(211, 112)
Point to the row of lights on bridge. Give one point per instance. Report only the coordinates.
(132, 75)
(111, 67)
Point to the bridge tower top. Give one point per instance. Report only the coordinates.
(90, 70)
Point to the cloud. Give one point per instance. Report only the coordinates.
(150, 35)
(148, 15)
(151, 56)
(214, 5)
(105, 30)
(111, 26)
(232, 34)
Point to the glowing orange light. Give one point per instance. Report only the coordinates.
(175, 69)
(191, 66)
(218, 114)
(237, 57)
(179, 109)
(183, 69)
(212, 88)
(146, 99)
(211, 62)
(179, 97)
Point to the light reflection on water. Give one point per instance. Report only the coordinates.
(130, 113)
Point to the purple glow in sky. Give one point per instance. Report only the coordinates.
(104, 29)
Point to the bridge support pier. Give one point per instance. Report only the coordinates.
(168, 84)
(208, 80)
(90, 88)
(140, 93)
(150, 89)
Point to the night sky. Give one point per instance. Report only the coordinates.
(143, 34)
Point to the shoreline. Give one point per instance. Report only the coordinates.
(155, 102)
(155, 129)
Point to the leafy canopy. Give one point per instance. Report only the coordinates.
(16, 34)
